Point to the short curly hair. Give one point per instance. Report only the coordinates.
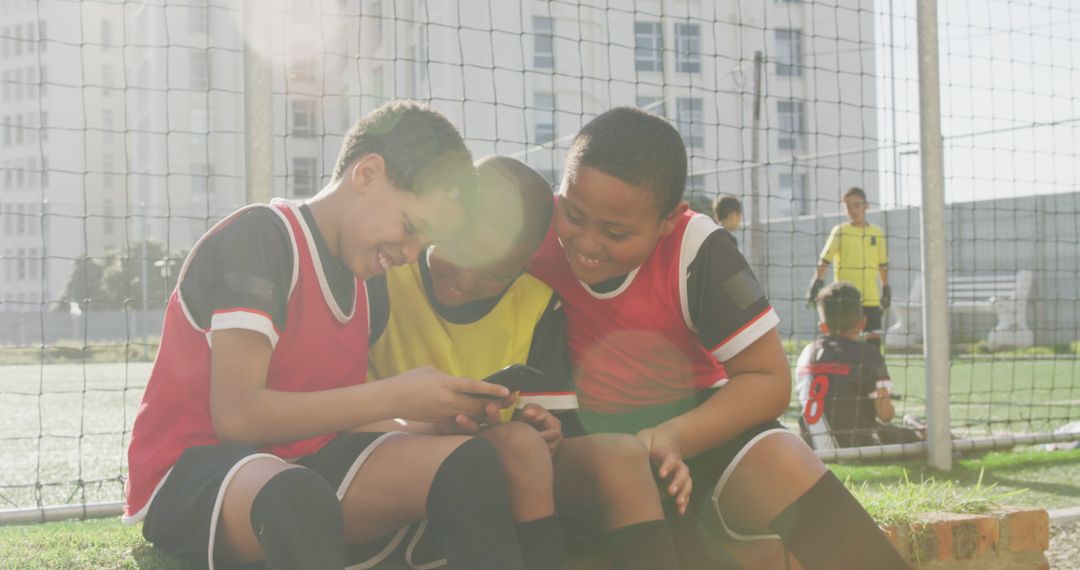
(637, 147)
(421, 148)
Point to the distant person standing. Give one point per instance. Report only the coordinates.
(727, 211)
(857, 250)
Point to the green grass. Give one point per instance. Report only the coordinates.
(1029, 477)
(89, 544)
(892, 492)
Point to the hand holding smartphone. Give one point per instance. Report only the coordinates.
(516, 377)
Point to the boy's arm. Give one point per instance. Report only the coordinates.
(876, 383)
(757, 391)
(244, 410)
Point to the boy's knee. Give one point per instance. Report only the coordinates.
(297, 519)
(518, 444)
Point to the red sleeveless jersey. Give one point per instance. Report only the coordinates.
(320, 349)
(632, 347)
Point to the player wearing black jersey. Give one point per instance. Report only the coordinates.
(843, 384)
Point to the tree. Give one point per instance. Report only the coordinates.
(115, 281)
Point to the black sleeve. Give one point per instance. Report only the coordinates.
(378, 295)
(246, 265)
(550, 353)
(871, 370)
(724, 297)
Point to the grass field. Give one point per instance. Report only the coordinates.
(1029, 477)
(64, 427)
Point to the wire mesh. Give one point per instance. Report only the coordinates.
(123, 141)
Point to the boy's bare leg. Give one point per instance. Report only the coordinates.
(781, 487)
(772, 475)
(527, 465)
(390, 490)
(606, 478)
(236, 539)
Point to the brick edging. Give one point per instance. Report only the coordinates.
(1005, 538)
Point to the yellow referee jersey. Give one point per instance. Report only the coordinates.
(857, 254)
(417, 335)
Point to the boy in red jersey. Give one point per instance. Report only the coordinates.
(244, 446)
(656, 298)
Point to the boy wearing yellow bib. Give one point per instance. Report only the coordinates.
(469, 308)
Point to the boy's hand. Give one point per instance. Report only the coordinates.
(545, 422)
(464, 424)
(886, 297)
(811, 294)
(425, 394)
(670, 468)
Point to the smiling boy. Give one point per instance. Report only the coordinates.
(657, 298)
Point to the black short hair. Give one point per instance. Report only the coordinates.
(855, 191)
(421, 148)
(841, 304)
(502, 177)
(725, 205)
(637, 147)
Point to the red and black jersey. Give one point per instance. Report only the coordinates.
(837, 380)
(659, 334)
(232, 281)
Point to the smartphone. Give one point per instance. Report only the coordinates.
(517, 377)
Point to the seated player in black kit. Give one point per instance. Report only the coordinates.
(843, 384)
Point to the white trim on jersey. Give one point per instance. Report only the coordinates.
(551, 401)
(697, 230)
(745, 336)
(324, 286)
(412, 547)
(245, 319)
(343, 488)
(216, 513)
(610, 294)
(727, 475)
(141, 514)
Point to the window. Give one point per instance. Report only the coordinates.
(16, 85)
(377, 21)
(200, 181)
(305, 176)
(695, 183)
(7, 130)
(197, 69)
(648, 46)
(43, 125)
(20, 267)
(792, 188)
(543, 42)
(17, 126)
(688, 48)
(42, 37)
(545, 117)
(789, 118)
(197, 19)
(106, 79)
(303, 117)
(35, 263)
(5, 42)
(107, 125)
(651, 104)
(20, 220)
(691, 121)
(789, 53)
(17, 41)
(106, 33)
(6, 96)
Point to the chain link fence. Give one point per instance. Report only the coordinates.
(124, 127)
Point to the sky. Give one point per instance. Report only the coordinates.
(1010, 75)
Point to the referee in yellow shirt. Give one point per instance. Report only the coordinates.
(857, 250)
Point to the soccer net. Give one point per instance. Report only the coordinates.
(122, 140)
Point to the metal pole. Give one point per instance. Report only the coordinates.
(935, 309)
(258, 104)
(757, 234)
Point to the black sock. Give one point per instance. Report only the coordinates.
(643, 546)
(827, 528)
(296, 517)
(469, 506)
(542, 544)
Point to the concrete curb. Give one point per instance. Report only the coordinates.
(1065, 515)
